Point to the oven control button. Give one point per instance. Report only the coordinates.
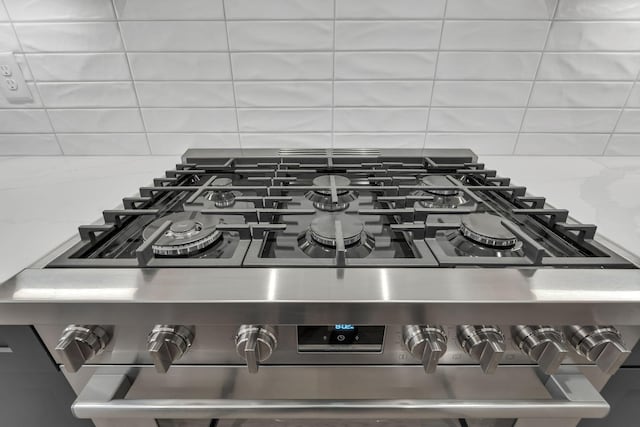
(543, 344)
(484, 343)
(427, 343)
(600, 344)
(255, 344)
(168, 343)
(79, 343)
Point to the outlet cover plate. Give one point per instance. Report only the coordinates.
(12, 84)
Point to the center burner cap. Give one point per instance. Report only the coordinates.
(323, 229)
(439, 181)
(188, 233)
(185, 226)
(222, 198)
(325, 181)
(487, 229)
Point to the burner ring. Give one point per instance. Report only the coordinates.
(323, 230)
(439, 181)
(322, 199)
(222, 198)
(487, 229)
(188, 233)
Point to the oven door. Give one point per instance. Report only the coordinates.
(454, 395)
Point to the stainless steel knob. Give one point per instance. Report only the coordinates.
(79, 343)
(544, 344)
(484, 343)
(427, 343)
(600, 344)
(255, 344)
(168, 343)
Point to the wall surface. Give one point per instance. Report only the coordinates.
(157, 76)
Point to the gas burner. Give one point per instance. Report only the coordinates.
(483, 234)
(188, 233)
(321, 239)
(449, 198)
(222, 198)
(322, 199)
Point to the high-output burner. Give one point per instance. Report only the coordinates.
(442, 198)
(484, 234)
(222, 198)
(188, 233)
(324, 200)
(329, 232)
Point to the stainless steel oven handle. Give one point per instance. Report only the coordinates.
(572, 396)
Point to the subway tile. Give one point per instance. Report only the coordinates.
(280, 35)
(8, 41)
(21, 59)
(382, 93)
(384, 65)
(190, 119)
(79, 66)
(178, 143)
(286, 140)
(561, 144)
(589, 66)
(282, 66)
(634, 97)
(283, 94)
(284, 120)
(24, 121)
(379, 140)
(180, 66)
(598, 9)
(174, 35)
(480, 143)
(487, 65)
(279, 9)
(88, 95)
(494, 35)
(629, 121)
(3, 13)
(480, 94)
(380, 119)
(59, 10)
(185, 94)
(598, 36)
(36, 102)
(579, 94)
(385, 9)
(96, 120)
(103, 144)
(623, 144)
(387, 35)
(569, 120)
(35, 144)
(500, 9)
(475, 119)
(168, 9)
(70, 37)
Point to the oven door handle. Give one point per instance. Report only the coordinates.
(572, 396)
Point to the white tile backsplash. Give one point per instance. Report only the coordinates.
(133, 77)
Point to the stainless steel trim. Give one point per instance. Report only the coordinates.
(571, 396)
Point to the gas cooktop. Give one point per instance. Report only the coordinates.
(340, 208)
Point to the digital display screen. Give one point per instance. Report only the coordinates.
(344, 327)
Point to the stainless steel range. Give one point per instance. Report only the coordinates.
(299, 286)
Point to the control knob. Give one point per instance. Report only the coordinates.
(168, 343)
(79, 343)
(484, 343)
(543, 344)
(427, 343)
(255, 344)
(600, 344)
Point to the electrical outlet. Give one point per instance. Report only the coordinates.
(12, 84)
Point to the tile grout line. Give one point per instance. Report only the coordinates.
(622, 110)
(535, 76)
(133, 82)
(333, 79)
(35, 82)
(233, 81)
(435, 76)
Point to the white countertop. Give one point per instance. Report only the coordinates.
(45, 199)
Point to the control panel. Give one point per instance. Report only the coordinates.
(340, 338)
